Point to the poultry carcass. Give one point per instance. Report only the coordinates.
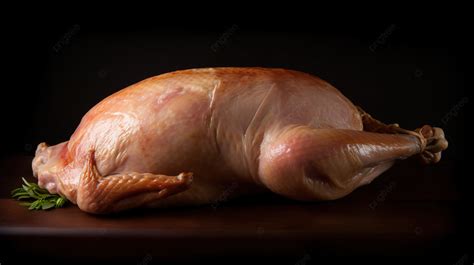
(184, 137)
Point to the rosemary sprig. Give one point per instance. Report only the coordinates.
(36, 198)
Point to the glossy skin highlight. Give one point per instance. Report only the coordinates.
(265, 129)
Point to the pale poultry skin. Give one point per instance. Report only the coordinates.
(184, 137)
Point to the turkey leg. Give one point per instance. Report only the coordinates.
(304, 163)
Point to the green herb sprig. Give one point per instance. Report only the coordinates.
(36, 198)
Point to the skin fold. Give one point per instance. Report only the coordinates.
(185, 137)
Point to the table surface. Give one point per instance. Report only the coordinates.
(410, 209)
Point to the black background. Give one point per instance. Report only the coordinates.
(416, 75)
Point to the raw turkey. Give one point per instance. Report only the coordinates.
(203, 135)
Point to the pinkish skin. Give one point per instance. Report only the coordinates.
(226, 125)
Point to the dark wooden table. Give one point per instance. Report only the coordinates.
(411, 213)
